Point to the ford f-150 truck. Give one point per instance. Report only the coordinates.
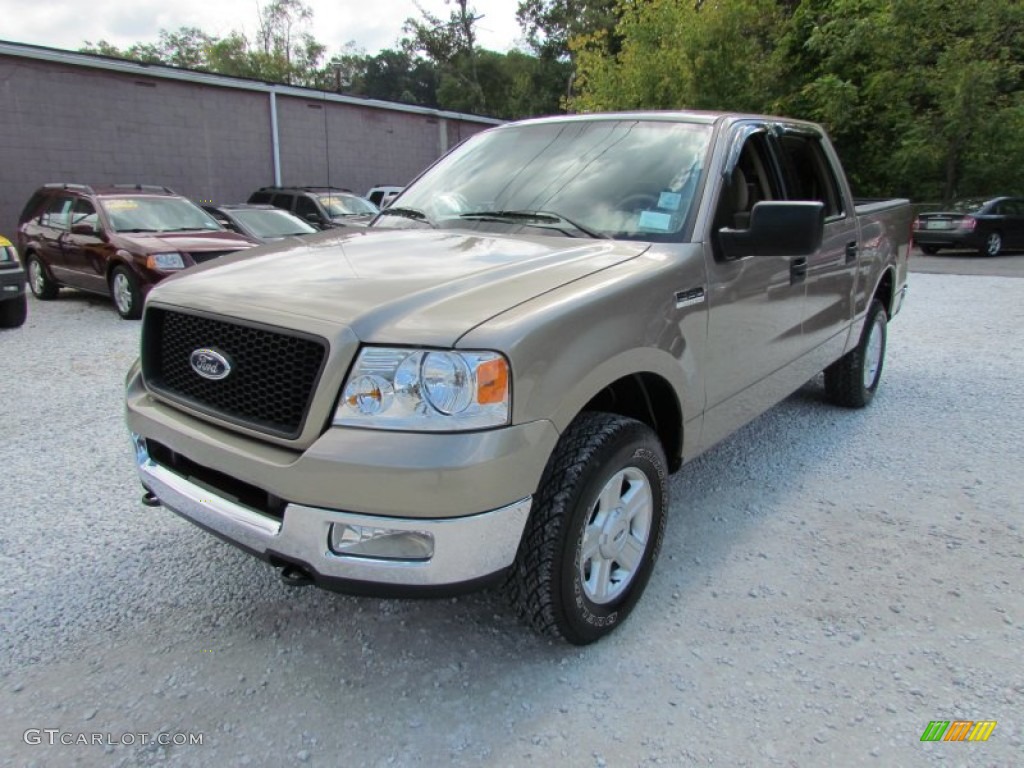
(496, 378)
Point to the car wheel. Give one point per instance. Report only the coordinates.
(124, 289)
(853, 379)
(595, 530)
(39, 282)
(993, 245)
(13, 312)
(929, 250)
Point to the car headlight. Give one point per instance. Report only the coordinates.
(420, 389)
(165, 261)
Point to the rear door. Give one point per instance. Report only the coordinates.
(85, 255)
(808, 170)
(53, 225)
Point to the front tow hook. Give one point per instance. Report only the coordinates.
(149, 499)
(293, 576)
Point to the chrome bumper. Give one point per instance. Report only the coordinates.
(466, 549)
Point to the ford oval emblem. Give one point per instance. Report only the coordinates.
(210, 364)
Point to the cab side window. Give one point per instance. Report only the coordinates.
(751, 181)
(85, 213)
(304, 208)
(809, 174)
(57, 213)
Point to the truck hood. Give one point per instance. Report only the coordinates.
(399, 286)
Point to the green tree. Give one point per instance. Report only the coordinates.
(702, 55)
(451, 46)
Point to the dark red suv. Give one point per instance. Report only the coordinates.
(117, 241)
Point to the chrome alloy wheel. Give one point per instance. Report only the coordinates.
(36, 277)
(993, 244)
(122, 290)
(615, 535)
(873, 352)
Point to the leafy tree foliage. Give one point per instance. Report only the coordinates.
(923, 97)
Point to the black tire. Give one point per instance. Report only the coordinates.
(13, 312)
(850, 381)
(553, 584)
(993, 244)
(124, 290)
(43, 286)
(929, 250)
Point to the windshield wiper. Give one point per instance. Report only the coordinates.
(548, 217)
(408, 213)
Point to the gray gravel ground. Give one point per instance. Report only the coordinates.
(831, 582)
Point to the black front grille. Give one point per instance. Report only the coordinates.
(273, 373)
(204, 256)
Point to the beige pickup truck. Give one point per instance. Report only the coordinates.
(494, 381)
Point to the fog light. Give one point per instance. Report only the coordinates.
(141, 450)
(380, 543)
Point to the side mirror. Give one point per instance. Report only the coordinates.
(84, 229)
(777, 229)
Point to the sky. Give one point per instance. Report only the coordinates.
(370, 24)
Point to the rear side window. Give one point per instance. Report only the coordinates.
(260, 197)
(809, 174)
(57, 213)
(281, 201)
(304, 207)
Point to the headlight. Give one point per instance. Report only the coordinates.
(419, 389)
(165, 261)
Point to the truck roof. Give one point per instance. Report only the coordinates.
(687, 116)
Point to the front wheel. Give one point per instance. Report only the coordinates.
(595, 529)
(993, 244)
(852, 380)
(125, 290)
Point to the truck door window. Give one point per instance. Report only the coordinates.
(750, 182)
(809, 174)
(84, 213)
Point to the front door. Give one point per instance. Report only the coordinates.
(755, 303)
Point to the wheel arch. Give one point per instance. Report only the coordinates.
(885, 290)
(649, 398)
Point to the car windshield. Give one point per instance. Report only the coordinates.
(156, 214)
(271, 222)
(626, 179)
(968, 206)
(347, 205)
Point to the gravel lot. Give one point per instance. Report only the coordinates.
(831, 582)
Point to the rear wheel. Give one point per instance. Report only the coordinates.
(852, 380)
(124, 288)
(929, 250)
(39, 282)
(993, 245)
(595, 530)
(13, 312)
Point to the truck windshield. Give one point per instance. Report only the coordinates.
(624, 179)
